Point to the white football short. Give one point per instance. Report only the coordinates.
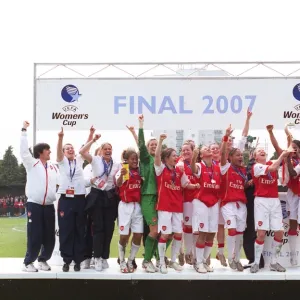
(292, 205)
(235, 215)
(187, 213)
(130, 217)
(268, 214)
(169, 222)
(205, 219)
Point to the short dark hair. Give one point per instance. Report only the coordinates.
(39, 148)
(166, 153)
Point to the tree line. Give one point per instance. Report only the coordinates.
(11, 172)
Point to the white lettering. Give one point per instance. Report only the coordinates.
(134, 186)
(236, 186)
(172, 187)
(267, 181)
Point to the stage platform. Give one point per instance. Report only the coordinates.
(11, 268)
(111, 284)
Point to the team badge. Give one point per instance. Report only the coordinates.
(121, 228)
(62, 214)
(228, 222)
(154, 219)
(260, 223)
(164, 228)
(186, 219)
(201, 225)
(29, 214)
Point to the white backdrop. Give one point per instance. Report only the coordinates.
(166, 103)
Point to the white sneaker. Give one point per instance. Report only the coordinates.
(130, 265)
(29, 268)
(148, 266)
(208, 267)
(44, 266)
(123, 267)
(86, 264)
(105, 264)
(92, 261)
(98, 264)
(277, 267)
(175, 266)
(163, 269)
(239, 266)
(232, 264)
(200, 268)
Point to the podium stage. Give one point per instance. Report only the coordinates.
(110, 284)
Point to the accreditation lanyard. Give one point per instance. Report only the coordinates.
(72, 173)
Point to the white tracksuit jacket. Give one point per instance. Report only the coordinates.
(41, 182)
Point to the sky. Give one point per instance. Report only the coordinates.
(131, 31)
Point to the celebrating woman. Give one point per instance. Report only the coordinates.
(70, 212)
(233, 201)
(267, 207)
(205, 207)
(102, 201)
(293, 187)
(188, 197)
(148, 194)
(170, 182)
(130, 218)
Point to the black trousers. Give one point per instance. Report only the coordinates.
(40, 232)
(103, 207)
(72, 221)
(250, 233)
(88, 238)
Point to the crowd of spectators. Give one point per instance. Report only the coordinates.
(12, 206)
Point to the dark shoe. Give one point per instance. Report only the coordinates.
(66, 268)
(77, 267)
(249, 265)
(134, 264)
(118, 261)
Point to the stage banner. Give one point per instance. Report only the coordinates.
(169, 104)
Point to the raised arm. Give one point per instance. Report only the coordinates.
(291, 169)
(273, 139)
(90, 137)
(131, 129)
(27, 159)
(247, 124)
(288, 135)
(84, 151)
(157, 158)
(276, 164)
(60, 153)
(144, 154)
(224, 146)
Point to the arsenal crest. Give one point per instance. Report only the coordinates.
(164, 228)
(62, 214)
(121, 228)
(260, 223)
(228, 222)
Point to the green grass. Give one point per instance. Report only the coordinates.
(13, 239)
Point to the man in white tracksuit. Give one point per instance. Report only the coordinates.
(41, 184)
